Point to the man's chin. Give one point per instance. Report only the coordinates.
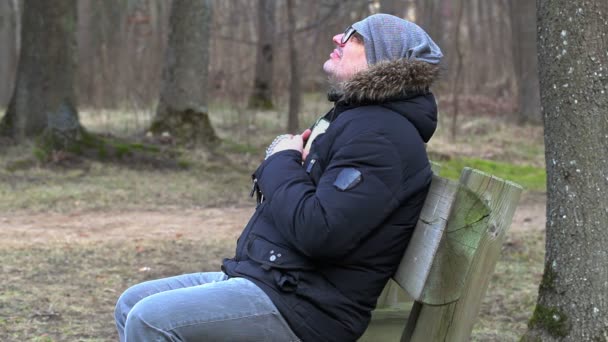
(328, 67)
(335, 85)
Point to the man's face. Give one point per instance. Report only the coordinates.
(347, 59)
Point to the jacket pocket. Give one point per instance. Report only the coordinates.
(276, 256)
(284, 264)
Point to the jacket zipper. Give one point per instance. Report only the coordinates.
(255, 189)
(245, 236)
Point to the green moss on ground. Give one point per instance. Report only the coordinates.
(50, 148)
(257, 102)
(530, 177)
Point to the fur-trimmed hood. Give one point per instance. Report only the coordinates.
(401, 86)
(388, 81)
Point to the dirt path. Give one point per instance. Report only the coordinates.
(30, 229)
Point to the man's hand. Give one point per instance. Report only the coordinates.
(305, 136)
(294, 142)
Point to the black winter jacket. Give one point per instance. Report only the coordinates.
(331, 231)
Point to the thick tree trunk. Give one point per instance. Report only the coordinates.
(572, 302)
(44, 98)
(182, 109)
(523, 29)
(261, 96)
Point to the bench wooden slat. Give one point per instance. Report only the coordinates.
(416, 266)
(484, 231)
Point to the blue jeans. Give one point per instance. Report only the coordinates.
(199, 307)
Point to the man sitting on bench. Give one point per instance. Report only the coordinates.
(334, 215)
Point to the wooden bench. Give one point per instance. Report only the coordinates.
(448, 263)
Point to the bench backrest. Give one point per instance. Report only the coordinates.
(453, 252)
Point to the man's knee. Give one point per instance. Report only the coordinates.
(146, 318)
(138, 316)
(126, 302)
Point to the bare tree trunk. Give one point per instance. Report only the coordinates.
(523, 28)
(44, 98)
(182, 110)
(101, 27)
(294, 68)
(476, 27)
(504, 44)
(428, 13)
(394, 7)
(572, 303)
(9, 28)
(457, 83)
(261, 96)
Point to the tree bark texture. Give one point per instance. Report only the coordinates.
(182, 110)
(573, 61)
(101, 25)
(459, 57)
(523, 33)
(294, 67)
(261, 96)
(9, 26)
(44, 97)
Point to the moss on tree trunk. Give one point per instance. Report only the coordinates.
(185, 127)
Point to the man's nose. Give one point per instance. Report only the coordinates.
(337, 39)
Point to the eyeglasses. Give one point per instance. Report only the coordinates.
(347, 34)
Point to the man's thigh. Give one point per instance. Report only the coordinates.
(142, 290)
(229, 310)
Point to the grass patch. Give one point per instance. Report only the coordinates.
(67, 292)
(99, 186)
(235, 147)
(490, 138)
(513, 289)
(530, 177)
(200, 179)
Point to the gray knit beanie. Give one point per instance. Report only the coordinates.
(390, 38)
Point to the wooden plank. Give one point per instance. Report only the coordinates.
(435, 167)
(391, 313)
(460, 239)
(417, 263)
(454, 321)
(393, 294)
(386, 329)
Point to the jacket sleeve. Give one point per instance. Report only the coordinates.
(323, 220)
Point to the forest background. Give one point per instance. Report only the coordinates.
(76, 230)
